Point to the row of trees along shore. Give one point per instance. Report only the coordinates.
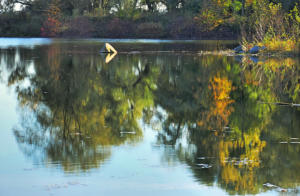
(275, 23)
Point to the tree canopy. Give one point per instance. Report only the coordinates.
(198, 19)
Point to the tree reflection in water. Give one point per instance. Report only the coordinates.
(82, 106)
(217, 112)
(224, 130)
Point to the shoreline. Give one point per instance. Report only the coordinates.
(225, 52)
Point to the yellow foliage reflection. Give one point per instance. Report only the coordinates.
(238, 171)
(217, 115)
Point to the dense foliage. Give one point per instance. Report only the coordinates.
(258, 20)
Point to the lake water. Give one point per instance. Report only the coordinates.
(154, 120)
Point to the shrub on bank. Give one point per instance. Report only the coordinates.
(147, 26)
(150, 30)
(278, 44)
(117, 28)
(20, 25)
(182, 27)
(273, 28)
(78, 27)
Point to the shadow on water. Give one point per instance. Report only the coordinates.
(214, 112)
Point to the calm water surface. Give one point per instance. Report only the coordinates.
(148, 123)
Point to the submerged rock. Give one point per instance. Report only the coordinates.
(254, 50)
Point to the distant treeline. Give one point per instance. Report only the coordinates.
(174, 27)
(176, 19)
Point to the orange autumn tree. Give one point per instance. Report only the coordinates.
(52, 25)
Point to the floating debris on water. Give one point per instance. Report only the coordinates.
(134, 52)
(73, 183)
(278, 188)
(219, 52)
(203, 158)
(204, 166)
(63, 186)
(169, 145)
(125, 132)
(237, 161)
(282, 190)
(243, 162)
(269, 185)
(29, 169)
(289, 142)
(156, 145)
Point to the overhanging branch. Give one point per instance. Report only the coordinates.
(27, 3)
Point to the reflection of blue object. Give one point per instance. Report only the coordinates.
(254, 59)
(238, 58)
(238, 49)
(25, 42)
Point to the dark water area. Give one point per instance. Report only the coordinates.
(159, 123)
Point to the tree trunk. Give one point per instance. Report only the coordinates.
(150, 5)
(243, 30)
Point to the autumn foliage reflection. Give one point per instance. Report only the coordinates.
(216, 113)
(221, 108)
